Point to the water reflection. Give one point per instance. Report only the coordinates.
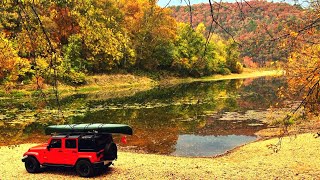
(160, 117)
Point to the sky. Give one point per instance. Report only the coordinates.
(163, 3)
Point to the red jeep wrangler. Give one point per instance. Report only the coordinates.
(86, 151)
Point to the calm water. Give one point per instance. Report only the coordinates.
(197, 119)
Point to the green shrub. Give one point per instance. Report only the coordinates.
(239, 68)
(74, 78)
(224, 71)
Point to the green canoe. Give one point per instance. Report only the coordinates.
(83, 128)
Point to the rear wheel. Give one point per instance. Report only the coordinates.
(84, 168)
(32, 165)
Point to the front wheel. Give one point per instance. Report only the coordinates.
(32, 165)
(84, 168)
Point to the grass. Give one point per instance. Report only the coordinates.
(121, 82)
(88, 89)
(247, 73)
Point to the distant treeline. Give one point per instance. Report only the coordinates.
(255, 24)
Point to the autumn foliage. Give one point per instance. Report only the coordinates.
(72, 40)
(253, 24)
(12, 67)
(69, 39)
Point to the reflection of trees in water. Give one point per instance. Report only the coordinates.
(230, 127)
(12, 134)
(159, 115)
(260, 93)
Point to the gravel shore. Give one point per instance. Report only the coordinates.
(298, 158)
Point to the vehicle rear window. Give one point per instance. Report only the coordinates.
(71, 143)
(87, 145)
(93, 142)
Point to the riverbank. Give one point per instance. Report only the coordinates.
(297, 159)
(118, 83)
(247, 73)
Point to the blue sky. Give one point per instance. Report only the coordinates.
(178, 2)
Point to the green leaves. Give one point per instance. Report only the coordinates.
(105, 43)
(194, 56)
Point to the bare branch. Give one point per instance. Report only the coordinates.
(217, 23)
(190, 11)
(53, 57)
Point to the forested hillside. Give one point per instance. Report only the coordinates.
(253, 24)
(45, 41)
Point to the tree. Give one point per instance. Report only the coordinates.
(152, 31)
(105, 42)
(194, 56)
(189, 49)
(233, 57)
(12, 67)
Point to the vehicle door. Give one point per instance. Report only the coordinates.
(70, 151)
(55, 152)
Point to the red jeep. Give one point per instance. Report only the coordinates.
(85, 151)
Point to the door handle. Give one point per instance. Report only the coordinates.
(74, 151)
(60, 151)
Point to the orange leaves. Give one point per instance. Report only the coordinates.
(65, 24)
(303, 69)
(248, 62)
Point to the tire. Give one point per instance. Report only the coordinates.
(32, 165)
(84, 168)
(110, 151)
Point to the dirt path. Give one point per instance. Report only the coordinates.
(297, 159)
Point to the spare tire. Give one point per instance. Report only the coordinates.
(110, 151)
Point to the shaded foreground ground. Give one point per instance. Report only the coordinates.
(297, 159)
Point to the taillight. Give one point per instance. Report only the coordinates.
(124, 139)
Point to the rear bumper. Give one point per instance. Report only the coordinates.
(101, 164)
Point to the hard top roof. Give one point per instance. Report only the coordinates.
(74, 136)
(77, 135)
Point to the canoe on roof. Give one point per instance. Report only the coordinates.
(84, 128)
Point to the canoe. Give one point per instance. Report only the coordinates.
(88, 128)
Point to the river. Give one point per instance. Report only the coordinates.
(195, 119)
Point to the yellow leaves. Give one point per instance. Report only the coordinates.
(8, 57)
(293, 57)
(11, 65)
(293, 34)
(201, 28)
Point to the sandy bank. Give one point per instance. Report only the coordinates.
(297, 159)
(248, 73)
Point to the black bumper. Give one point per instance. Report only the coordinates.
(24, 158)
(100, 164)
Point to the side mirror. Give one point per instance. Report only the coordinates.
(48, 147)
